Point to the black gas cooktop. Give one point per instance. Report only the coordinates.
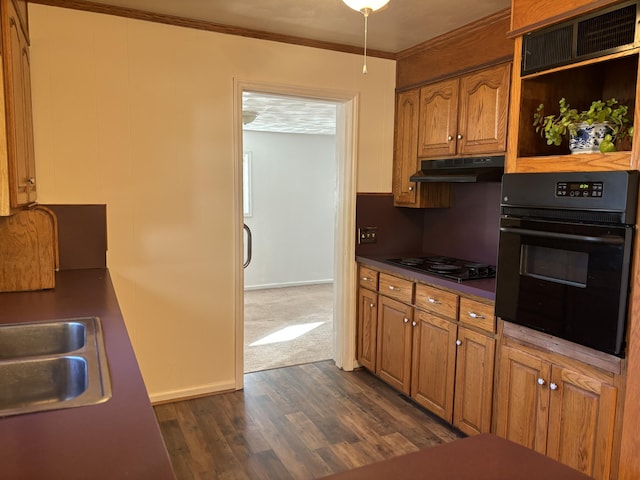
(448, 267)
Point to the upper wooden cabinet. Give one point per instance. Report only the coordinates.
(405, 159)
(17, 161)
(465, 116)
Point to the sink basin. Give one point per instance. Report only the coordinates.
(42, 381)
(43, 338)
(52, 365)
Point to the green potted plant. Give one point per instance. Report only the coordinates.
(592, 130)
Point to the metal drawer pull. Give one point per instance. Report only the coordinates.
(414, 323)
(366, 279)
(372, 305)
(553, 386)
(395, 289)
(476, 315)
(406, 320)
(541, 381)
(458, 342)
(433, 300)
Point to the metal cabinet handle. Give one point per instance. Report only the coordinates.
(395, 289)
(411, 189)
(458, 342)
(366, 279)
(553, 386)
(459, 137)
(475, 315)
(449, 138)
(541, 381)
(434, 301)
(371, 305)
(32, 181)
(405, 320)
(414, 323)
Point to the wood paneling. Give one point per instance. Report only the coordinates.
(298, 422)
(478, 44)
(531, 15)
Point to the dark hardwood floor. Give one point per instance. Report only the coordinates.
(300, 422)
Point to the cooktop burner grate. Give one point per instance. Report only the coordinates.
(448, 267)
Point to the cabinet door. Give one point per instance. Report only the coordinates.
(581, 422)
(482, 121)
(393, 356)
(474, 382)
(405, 155)
(522, 399)
(438, 119)
(367, 328)
(19, 121)
(434, 364)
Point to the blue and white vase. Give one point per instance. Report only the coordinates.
(586, 138)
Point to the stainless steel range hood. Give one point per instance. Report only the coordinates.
(461, 170)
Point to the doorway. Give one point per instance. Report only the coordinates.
(289, 206)
(344, 268)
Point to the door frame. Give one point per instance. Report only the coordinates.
(344, 264)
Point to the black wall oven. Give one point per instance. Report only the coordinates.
(564, 254)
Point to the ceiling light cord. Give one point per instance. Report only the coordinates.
(365, 11)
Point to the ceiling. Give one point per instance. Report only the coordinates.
(400, 25)
(396, 27)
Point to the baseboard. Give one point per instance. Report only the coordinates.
(288, 284)
(189, 393)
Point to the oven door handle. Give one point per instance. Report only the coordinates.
(608, 240)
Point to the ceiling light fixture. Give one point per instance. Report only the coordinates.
(248, 116)
(365, 7)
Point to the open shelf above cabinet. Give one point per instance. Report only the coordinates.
(597, 79)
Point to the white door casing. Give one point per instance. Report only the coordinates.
(344, 264)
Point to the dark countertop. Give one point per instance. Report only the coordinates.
(118, 439)
(483, 457)
(485, 288)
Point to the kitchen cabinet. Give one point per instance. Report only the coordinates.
(565, 411)
(17, 161)
(605, 73)
(452, 374)
(465, 115)
(431, 344)
(405, 159)
(395, 333)
(367, 318)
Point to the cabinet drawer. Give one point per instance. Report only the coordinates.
(368, 278)
(476, 314)
(396, 288)
(437, 301)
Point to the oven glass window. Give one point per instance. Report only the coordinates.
(555, 265)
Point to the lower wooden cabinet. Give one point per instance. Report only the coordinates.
(395, 334)
(566, 412)
(366, 328)
(474, 382)
(452, 373)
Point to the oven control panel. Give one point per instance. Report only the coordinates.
(579, 189)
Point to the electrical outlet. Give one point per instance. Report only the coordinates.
(367, 235)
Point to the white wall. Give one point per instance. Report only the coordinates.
(293, 188)
(139, 116)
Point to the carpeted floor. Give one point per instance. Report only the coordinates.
(273, 317)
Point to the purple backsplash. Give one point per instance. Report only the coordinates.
(468, 230)
(399, 229)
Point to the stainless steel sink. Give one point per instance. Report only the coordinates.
(52, 365)
(45, 338)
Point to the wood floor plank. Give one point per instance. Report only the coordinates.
(298, 423)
